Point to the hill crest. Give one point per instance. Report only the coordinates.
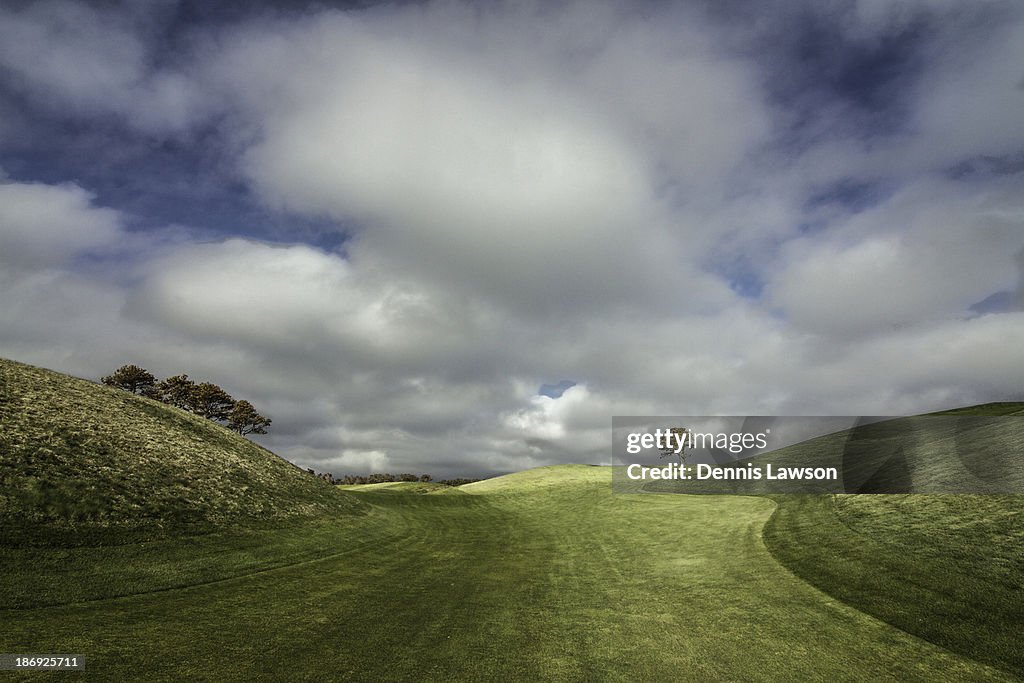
(82, 462)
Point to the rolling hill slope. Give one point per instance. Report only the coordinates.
(159, 542)
(543, 575)
(82, 463)
(947, 568)
(977, 449)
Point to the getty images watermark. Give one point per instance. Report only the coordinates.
(847, 454)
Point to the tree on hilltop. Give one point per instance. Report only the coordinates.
(176, 391)
(244, 419)
(210, 401)
(205, 398)
(132, 379)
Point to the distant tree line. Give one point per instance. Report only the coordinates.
(350, 479)
(381, 478)
(459, 481)
(203, 398)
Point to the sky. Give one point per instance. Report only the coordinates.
(458, 237)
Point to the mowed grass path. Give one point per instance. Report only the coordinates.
(543, 575)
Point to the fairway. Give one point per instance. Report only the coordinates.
(541, 575)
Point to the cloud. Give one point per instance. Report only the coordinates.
(927, 254)
(45, 225)
(681, 213)
(98, 62)
(322, 307)
(493, 164)
(967, 101)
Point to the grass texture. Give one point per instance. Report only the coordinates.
(540, 575)
(544, 575)
(86, 464)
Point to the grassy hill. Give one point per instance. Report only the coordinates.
(540, 575)
(977, 449)
(82, 463)
(945, 567)
(167, 548)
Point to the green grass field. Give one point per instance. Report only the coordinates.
(946, 568)
(539, 575)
